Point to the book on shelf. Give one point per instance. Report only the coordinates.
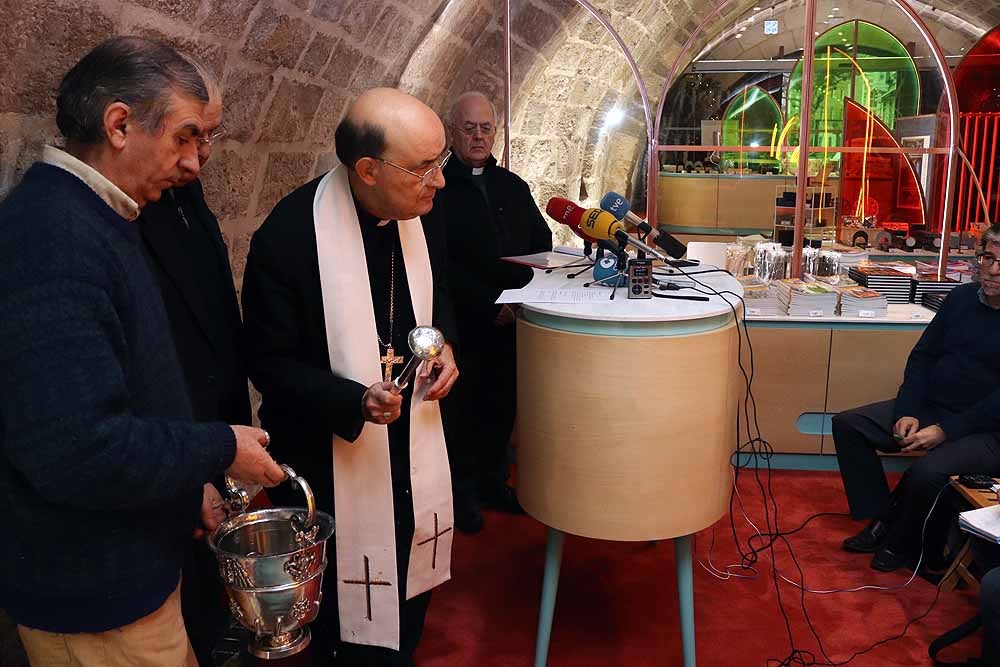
(860, 301)
(932, 300)
(812, 299)
(760, 298)
(929, 284)
(888, 278)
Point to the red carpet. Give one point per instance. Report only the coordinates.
(617, 602)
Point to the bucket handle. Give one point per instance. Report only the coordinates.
(306, 523)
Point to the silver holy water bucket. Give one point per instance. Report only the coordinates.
(272, 562)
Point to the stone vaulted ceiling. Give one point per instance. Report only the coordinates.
(289, 67)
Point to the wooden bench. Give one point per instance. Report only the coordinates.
(959, 568)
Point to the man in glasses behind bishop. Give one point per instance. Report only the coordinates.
(338, 275)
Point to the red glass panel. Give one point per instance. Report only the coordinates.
(977, 80)
(880, 184)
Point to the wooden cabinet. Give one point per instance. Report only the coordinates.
(790, 370)
(819, 370)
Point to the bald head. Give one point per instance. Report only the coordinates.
(383, 122)
(473, 124)
(472, 102)
(388, 140)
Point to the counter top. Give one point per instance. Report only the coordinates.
(775, 177)
(623, 309)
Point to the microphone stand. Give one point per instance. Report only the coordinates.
(622, 268)
(585, 265)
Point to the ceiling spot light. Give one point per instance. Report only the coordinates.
(739, 35)
(836, 9)
(830, 16)
(756, 9)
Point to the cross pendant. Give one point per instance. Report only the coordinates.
(389, 360)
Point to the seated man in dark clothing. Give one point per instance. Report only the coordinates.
(490, 214)
(947, 406)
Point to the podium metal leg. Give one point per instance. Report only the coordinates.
(685, 595)
(550, 584)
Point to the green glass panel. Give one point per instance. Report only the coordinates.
(884, 80)
(751, 119)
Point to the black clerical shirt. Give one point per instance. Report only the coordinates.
(381, 241)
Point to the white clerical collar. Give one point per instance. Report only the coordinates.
(477, 171)
(112, 195)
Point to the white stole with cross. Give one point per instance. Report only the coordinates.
(365, 536)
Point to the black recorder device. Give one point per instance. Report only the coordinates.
(640, 278)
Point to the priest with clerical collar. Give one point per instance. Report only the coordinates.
(337, 276)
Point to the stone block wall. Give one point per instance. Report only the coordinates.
(288, 69)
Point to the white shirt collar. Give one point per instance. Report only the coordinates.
(112, 195)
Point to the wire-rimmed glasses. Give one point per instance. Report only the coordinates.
(428, 175)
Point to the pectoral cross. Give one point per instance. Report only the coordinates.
(389, 360)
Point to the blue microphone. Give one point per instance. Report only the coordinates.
(619, 207)
(605, 269)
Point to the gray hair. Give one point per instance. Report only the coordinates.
(139, 72)
(453, 112)
(991, 235)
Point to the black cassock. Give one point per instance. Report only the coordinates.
(304, 403)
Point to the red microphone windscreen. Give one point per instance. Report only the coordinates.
(564, 211)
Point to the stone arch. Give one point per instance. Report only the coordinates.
(289, 68)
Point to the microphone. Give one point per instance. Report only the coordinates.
(568, 213)
(602, 225)
(619, 207)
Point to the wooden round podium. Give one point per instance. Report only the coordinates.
(626, 425)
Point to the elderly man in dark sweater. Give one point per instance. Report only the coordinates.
(101, 464)
(947, 406)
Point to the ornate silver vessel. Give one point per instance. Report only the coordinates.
(272, 562)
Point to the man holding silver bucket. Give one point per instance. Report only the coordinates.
(101, 464)
(340, 273)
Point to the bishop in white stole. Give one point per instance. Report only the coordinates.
(367, 585)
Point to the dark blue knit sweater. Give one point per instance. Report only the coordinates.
(101, 469)
(953, 374)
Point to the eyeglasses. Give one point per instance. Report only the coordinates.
(986, 259)
(209, 139)
(428, 175)
(484, 128)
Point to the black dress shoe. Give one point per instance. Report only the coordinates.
(501, 497)
(886, 560)
(868, 540)
(468, 517)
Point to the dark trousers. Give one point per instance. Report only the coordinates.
(482, 416)
(861, 433)
(203, 601)
(326, 628)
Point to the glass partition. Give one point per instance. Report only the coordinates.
(879, 127)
